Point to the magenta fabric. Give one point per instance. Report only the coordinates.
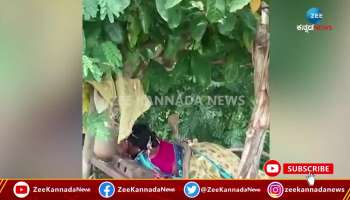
(165, 158)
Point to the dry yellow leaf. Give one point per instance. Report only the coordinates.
(106, 88)
(132, 102)
(255, 5)
(86, 98)
(100, 104)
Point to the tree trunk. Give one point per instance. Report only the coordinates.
(260, 119)
(87, 155)
(105, 148)
(88, 147)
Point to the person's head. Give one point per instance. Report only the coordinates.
(142, 138)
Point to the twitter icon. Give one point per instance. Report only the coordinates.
(191, 189)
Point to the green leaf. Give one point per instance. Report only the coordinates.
(181, 68)
(197, 4)
(201, 69)
(237, 4)
(248, 39)
(115, 32)
(87, 63)
(248, 19)
(172, 47)
(173, 15)
(156, 78)
(132, 60)
(112, 7)
(215, 10)
(214, 45)
(112, 55)
(227, 25)
(84, 43)
(199, 29)
(134, 30)
(96, 124)
(145, 18)
(92, 32)
(161, 9)
(231, 72)
(171, 3)
(90, 67)
(90, 9)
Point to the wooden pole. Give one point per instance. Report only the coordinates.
(260, 119)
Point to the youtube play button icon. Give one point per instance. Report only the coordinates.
(272, 168)
(21, 189)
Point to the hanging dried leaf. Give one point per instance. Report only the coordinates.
(255, 5)
(106, 88)
(132, 101)
(100, 104)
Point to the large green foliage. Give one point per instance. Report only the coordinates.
(95, 123)
(178, 47)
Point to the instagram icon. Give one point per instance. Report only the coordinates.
(275, 189)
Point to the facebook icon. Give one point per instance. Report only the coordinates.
(106, 189)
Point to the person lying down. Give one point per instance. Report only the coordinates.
(179, 160)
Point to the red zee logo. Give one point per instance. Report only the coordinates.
(272, 168)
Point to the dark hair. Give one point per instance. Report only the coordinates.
(141, 135)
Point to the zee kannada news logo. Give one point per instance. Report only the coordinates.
(314, 16)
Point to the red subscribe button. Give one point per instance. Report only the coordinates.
(308, 168)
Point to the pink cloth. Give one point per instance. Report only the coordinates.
(165, 158)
